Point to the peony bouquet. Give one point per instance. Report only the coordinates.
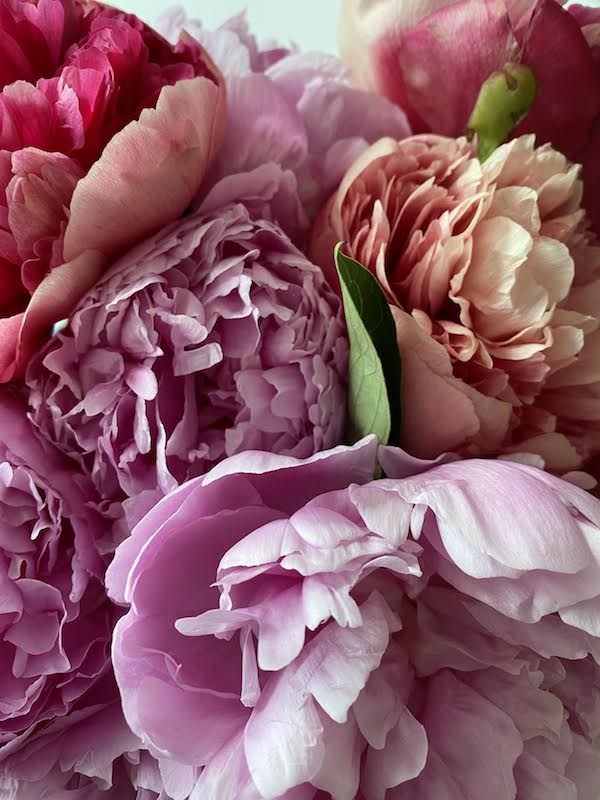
(300, 405)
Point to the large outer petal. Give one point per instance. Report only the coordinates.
(526, 566)
(428, 385)
(283, 482)
(447, 57)
(54, 299)
(430, 56)
(149, 172)
(370, 35)
(283, 739)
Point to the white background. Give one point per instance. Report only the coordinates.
(312, 24)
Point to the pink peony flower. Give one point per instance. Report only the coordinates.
(212, 337)
(493, 280)
(297, 110)
(106, 132)
(431, 57)
(55, 624)
(365, 636)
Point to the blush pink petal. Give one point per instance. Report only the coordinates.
(428, 376)
(53, 300)
(116, 203)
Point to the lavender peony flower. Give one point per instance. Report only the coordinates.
(55, 622)
(408, 639)
(297, 110)
(213, 337)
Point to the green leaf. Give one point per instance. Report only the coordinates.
(504, 100)
(375, 371)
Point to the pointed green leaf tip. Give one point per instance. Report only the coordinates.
(504, 99)
(375, 370)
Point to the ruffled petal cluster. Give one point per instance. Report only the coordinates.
(405, 638)
(213, 337)
(492, 275)
(55, 622)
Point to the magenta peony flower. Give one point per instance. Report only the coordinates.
(418, 635)
(431, 57)
(493, 279)
(55, 624)
(298, 110)
(106, 132)
(213, 337)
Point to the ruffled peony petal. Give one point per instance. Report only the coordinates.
(213, 337)
(56, 621)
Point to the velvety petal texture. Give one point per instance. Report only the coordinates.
(300, 631)
(297, 110)
(90, 159)
(55, 621)
(492, 275)
(213, 337)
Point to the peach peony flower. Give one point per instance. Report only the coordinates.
(494, 282)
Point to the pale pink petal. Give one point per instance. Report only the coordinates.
(54, 300)
(115, 204)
